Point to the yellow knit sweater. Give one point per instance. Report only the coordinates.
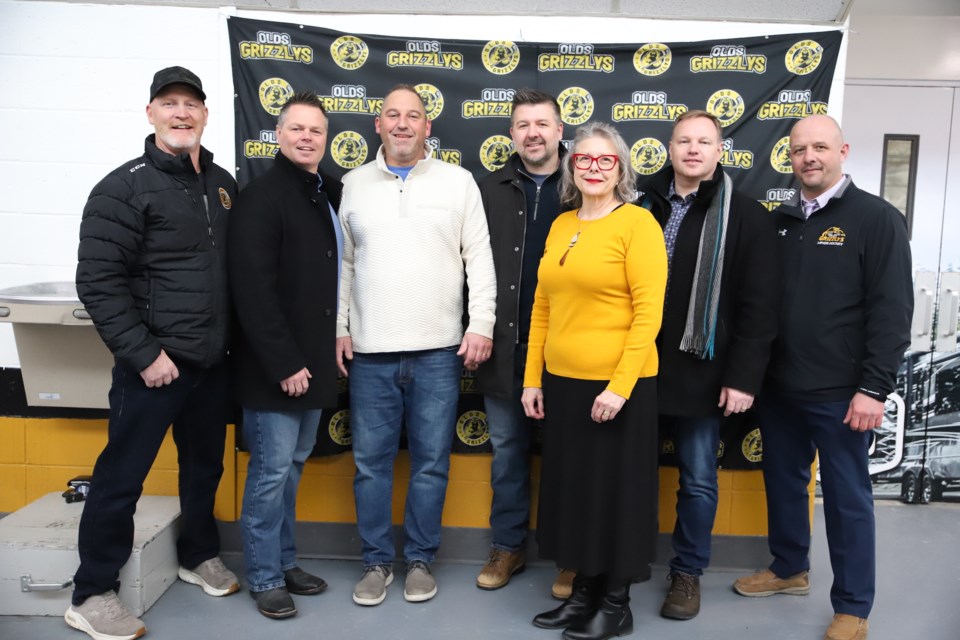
(596, 317)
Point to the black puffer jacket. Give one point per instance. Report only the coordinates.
(152, 259)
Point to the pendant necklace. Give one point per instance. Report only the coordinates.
(580, 228)
(573, 240)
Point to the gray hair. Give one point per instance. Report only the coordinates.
(626, 184)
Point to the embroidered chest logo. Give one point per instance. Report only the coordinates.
(832, 237)
(225, 198)
(782, 232)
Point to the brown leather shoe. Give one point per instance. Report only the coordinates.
(847, 627)
(766, 583)
(501, 566)
(683, 597)
(563, 586)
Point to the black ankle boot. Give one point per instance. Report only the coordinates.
(580, 606)
(612, 618)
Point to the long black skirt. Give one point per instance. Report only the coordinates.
(598, 483)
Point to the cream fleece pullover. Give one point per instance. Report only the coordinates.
(407, 245)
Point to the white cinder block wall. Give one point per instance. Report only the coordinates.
(74, 83)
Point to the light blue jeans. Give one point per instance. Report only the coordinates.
(279, 444)
(419, 389)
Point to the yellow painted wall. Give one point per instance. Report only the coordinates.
(39, 456)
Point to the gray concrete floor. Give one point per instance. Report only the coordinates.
(918, 598)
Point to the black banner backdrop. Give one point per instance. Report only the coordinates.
(758, 87)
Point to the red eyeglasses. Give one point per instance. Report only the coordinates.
(584, 161)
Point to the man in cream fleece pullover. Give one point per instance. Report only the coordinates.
(413, 227)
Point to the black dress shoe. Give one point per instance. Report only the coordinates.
(301, 583)
(274, 603)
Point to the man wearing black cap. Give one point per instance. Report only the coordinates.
(152, 275)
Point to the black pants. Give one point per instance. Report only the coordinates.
(196, 404)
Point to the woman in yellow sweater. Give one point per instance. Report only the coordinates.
(590, 375)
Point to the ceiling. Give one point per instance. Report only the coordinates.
(827, 12)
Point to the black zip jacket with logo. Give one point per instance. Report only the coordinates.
(152, 259)
(847, 298)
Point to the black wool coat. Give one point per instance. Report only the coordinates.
(749, 300)
(506, 207)
(283, 274)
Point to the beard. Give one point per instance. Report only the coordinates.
(179, 140)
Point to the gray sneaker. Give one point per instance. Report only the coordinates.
(104, 617)
(372, 588)
(211, 576)
(420, 585)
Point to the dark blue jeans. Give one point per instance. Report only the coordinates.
(696, 441)
(419, 389)
(793, 432)
(511, 433)
(197, 405)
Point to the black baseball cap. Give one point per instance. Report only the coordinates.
(175, 75)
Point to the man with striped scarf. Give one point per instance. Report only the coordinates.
(719, 320)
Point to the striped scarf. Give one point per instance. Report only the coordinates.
(700, 332)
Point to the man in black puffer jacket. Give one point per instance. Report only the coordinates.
(152, 275)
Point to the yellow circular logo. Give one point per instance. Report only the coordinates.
(780, 156)
(472, 428)
(576, 105)
(339, 428)
(274, 92)
(726, 105)
(349, 52)
(752, 446)
(803, 57)
(495, 151)
(500, 57)
(349, 149)
(225, 198)
(652, 59)
(432, 100)
(648, 155)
